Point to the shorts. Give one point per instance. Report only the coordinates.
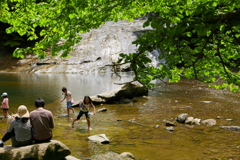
(5, 109)
(69, 104)
(81, 113)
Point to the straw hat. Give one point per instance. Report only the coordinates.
(22, 112)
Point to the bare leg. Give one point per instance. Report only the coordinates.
(5, 113)
(68, 112)
(89, 124)
(74, 122)
(72, 109)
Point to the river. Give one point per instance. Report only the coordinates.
(148, 138)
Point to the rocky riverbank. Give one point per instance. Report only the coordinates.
(54, 150)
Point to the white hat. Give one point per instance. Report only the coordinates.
(4, 94)
(22, 112)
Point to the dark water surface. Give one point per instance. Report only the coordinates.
(147, 137)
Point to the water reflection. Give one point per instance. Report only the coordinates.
(25, 88)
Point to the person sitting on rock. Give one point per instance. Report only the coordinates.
(19, 129)
(42, 122)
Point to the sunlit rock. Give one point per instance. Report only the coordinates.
(127, 155)
(189, 120)
(70, 158)
(197, 121)
(182, 117)
(129, 90)
(170, 129)
(114, 156)
(54, 150)
(192, 121)
(100, 138)
(209, 122)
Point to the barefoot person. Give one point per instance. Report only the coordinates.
(85, 105)
(69, 99)
(5, 104)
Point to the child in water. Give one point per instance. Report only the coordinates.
(87, 102)
(69, 99)
(5, 105)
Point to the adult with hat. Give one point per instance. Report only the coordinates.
(19, 129)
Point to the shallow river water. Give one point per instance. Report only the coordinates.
(147, 138)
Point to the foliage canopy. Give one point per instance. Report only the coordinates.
(200, 38)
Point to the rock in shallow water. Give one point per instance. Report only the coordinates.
(54, 150)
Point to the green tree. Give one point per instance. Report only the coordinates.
(200, 38)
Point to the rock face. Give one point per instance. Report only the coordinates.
(129, 90)
(98, 49)
(54, 150)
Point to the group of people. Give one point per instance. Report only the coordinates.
(27, 128)
(84, 106)
(36, 127)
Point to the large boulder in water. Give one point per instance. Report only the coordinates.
(127, 91)
(54, 150)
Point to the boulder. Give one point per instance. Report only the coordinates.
(54, 150)
(100, 138)
(127, 91)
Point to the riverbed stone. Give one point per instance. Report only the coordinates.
(127, 155)
(113, 156)
(189, 120)
(100, 138)
(231, 128)
(182, 117)
(129, 90)
(171, 129)
(54, 150)
(102, 110)
(169, 123)
(209, 122)
(71, 158)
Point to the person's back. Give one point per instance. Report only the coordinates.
(19, 129)
(42, 123)
(22, 130)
